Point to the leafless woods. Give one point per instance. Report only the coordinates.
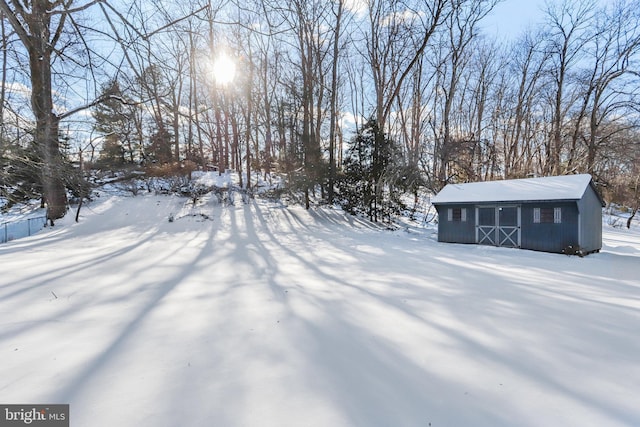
(125, 83)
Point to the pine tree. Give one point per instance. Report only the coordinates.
(372, 178)
(355, 186)
(114, 118)
(159, 149)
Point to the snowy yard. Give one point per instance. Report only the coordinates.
(263, 315)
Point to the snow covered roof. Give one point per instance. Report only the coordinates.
(568, 187)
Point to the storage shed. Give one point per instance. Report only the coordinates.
(561, 214)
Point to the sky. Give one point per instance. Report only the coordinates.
(510, 17)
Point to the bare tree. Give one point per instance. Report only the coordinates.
(520, 110)
(486, 62)
(308, 52)
(398, 35)
(569, 32)
(461, 31)
(3, 81)
(334, 97)
(613, 88)
(40, 24)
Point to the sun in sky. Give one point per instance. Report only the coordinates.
(224, 69)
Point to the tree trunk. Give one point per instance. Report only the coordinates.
(334, 101)
(176, 123)
(47, 123)
(248, 121)
(4, 73)
(221, 152)
(633, 214)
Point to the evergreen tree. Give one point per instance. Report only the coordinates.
(372, 179)
(355, 186)
(112, 153)
(154, 85)
(159, 149)
(114, 118)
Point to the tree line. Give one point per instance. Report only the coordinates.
(357, 102)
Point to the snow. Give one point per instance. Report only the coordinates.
(568, 187)
(261, 314)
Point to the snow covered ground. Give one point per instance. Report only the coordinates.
(266, 315)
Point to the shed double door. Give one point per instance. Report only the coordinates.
(498, 225)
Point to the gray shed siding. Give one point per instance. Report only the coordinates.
(544, 214)
(590, 207)
(549, 237)
(456, 232)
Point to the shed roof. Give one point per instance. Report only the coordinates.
(568, 187)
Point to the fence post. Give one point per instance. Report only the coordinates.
(19, 233)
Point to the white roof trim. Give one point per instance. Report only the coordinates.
(568, 187)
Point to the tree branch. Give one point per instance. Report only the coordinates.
(164, 27)
(15, 22)
(96, 102)
(67, 11)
